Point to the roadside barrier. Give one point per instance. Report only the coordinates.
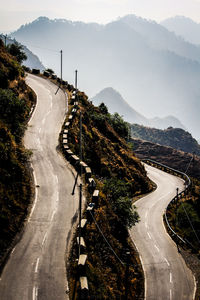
(178, 196)
(85, 170)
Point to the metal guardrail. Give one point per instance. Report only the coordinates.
(187, 181)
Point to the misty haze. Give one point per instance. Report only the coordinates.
(156, 71)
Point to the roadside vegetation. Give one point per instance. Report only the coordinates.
(16, 101)
(119, 176)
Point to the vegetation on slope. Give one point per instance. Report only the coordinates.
(119, 176)
(174, 137)
(16, 100)
(179, 160)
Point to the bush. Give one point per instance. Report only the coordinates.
(17, 50)
(13, 111)
(120, 126)
(119, 193)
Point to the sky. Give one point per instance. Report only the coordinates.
(15, 13)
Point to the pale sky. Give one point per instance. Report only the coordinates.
(15, 13)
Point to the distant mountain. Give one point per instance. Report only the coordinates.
(32, 60)
(174, 137)
(116, 103)
(184, 27)
(157, 72)
(160, 38)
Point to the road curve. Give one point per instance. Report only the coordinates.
(36, 268)
(166, 274)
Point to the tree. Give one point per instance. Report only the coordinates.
(120, 126)
(16, 50)
(50, 71)
(103, 108)
(13, 111)
(126, 211)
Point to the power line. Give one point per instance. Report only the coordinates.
(189, 163)
(122, 263)
(190, 222)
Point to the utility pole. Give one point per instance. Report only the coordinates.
(177, 190)
(5, 37)
(61, 65)
(127, 274)
(76, 80)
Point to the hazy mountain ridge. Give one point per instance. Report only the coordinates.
(173, 137)
(154, 81)
(184, 27)
(160, 38)
(115, 103)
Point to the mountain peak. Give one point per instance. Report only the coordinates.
(185, 27)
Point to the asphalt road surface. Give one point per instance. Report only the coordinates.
(36, 268)
(166, 274)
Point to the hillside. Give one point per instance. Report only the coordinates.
(119, 176)
(116, 103)
(157, 72)
(169, 156)
(174, 137)
(32, 60)
(184, 27)
(16, 100)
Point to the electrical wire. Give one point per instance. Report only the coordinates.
(107, 241)
(190, 223)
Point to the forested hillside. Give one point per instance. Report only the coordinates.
(16, 100)
(174, 137)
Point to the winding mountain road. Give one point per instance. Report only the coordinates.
(166, 274)
(36, 268)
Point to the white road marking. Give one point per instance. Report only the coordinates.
(43, 120)
(53, 214)
(146, 225)
(36, 195)
(146, 215)
(149, 235)
(35, 293)
(170, 294)
(170, 277)
(37, 264)
(166, 261)
(57, 196)
(13, 250)
(44, 239)
(56, 177)
(157, 248)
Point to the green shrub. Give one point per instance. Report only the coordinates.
(13, 111)
(16, 50)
